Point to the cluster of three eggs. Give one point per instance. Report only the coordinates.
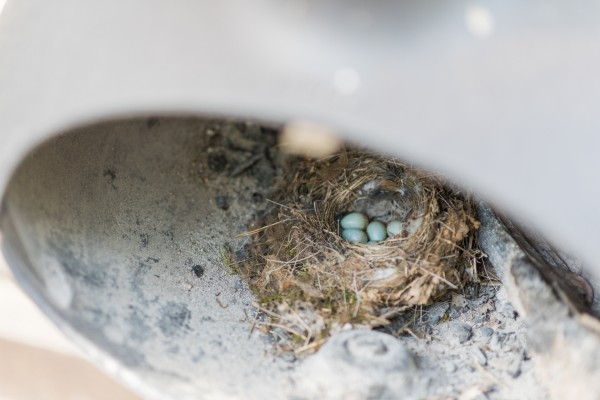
(356, 228)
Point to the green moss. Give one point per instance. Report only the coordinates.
(228, 260)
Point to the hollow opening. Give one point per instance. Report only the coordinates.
(125, 232)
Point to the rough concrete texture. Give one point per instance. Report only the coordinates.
(125, 234)
(123, 230)
(563, 336)
(474, 344)
(356, 365)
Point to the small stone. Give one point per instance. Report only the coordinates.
(376, 231)
(394, 228)
(222, 203)
(514, 366)
(480, 356)
(479, 319)
(355, 220)
(354, 235)
(458, 300)
(257, 198)
(462, 332)
(362, 364)
(217, 162)
(487, 332)
(198, 270)
(508, 311)
(436, 312)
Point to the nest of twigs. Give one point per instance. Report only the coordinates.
(312, 283)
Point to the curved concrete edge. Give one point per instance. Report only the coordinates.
(563, 338)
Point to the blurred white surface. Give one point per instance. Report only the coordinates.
(37, 361)
(502, 99)
(21, 321)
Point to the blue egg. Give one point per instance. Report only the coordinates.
(394, 228)
(354, 220)
(376, 231)
(354, 235)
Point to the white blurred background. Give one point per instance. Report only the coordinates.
(36, 361)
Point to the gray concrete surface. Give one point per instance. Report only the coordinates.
(563, 332)
(502, 101)
(126, 234)
(119, 237)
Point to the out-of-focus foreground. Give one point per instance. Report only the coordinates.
(36, 361)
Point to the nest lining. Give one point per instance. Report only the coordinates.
(312, 283)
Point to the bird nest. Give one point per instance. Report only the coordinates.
(312, 282)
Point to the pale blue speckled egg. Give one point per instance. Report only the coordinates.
(354, 235)
(376, 231)
(394, 228)
(354, 220)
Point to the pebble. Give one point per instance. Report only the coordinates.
(459, 301)
(480, 356)
(394, 228)
(436, 312)
(376, 231)
(354, 235)
(257, 198)
(355, 220)
(514, 367)
(462, 332)
(222, 203)
(508, 311)
(487, 332)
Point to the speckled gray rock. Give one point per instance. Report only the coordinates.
(487, 331)
(461, 332)
(436, 312)
(359, 365)
(479, 356)
(176, 323)
(127, 248)
(563, 336)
